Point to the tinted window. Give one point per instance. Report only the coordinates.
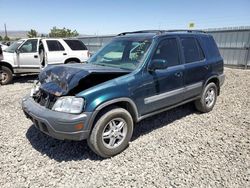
(168, 51)
(76, 45)
(29, 46)
(212, 48)
(54, 45)
(192, 50)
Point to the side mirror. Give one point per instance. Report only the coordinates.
(158, 64)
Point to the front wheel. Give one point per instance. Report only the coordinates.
(111, 133)
(208, 98)
(5, 75)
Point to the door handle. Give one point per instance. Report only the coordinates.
(64, 53)
(178, 74)
(35, 56)
(206, 67)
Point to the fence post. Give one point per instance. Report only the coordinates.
(247, 56)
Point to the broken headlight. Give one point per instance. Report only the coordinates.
(69, 104)
(35, 88)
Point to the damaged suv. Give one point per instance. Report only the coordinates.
(138, 74)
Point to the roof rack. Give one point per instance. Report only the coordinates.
(162, 31)
(186, 30)
(142, 31)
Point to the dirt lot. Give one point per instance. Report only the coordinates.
(178, 148)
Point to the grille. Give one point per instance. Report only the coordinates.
(45, 99)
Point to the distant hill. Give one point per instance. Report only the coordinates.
(23, 34)
(15, 34)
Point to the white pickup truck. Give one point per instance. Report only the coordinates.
(30, 55)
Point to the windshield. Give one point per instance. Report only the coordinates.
(12, 48)
(124, 54)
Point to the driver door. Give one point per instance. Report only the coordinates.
(161, 88)
(27, 55)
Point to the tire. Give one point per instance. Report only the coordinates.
(6, 75)
(71, 62)
(111, 133)
(208, 98)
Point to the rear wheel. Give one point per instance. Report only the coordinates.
(70, 61)
(208, 98)
(5, 75)
(111, 133)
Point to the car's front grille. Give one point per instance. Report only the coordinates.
(45, 99)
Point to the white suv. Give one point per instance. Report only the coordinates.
(30, 55)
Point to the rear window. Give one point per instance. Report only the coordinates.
(212, 48)
(192, 50)
(54, 45)
(76, 45)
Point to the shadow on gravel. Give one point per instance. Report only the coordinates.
(25, 78)
(78, 150)
(59, 150)
(162, 119)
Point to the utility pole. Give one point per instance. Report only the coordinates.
(6, 34)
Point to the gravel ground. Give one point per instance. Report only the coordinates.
(178, 148)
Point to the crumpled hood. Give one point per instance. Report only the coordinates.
(60, 79)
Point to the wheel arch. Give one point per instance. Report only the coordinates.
(125, 103)
(6, 64)
(72, 59)
(215, 80)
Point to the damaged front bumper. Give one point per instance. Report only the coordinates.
(58, 125)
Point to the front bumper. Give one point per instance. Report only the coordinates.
(58, 125)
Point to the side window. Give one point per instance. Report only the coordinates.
(168, 50)
(75, 44)
(29, 46)
(212, 48)
(54, 45)
(192, 50)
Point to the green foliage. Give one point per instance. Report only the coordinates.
(6, 38)
(32, 33)
(1, 38)
(15, 39)
(43, 35)
(62, 33)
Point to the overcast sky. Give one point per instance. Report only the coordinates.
(108, 17)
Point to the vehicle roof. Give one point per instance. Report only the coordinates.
(159, 33)
(50, 38)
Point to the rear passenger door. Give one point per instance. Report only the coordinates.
(55, 52)
(196, 67)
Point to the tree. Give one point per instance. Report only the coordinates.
(64, 32)
(32, 33)
(43, 35)
(6, 38)
(1, 38)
